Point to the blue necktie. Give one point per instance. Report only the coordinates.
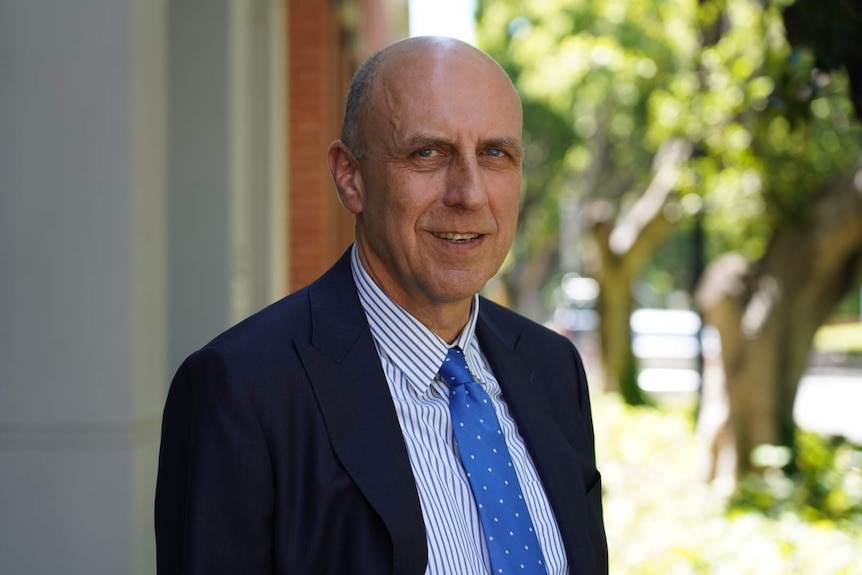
(512, 543)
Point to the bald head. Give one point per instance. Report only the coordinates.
(399, 63)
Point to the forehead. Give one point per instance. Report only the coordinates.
(434, 89)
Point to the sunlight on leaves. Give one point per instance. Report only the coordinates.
(663, 518)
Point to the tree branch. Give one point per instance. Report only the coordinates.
(645, 224)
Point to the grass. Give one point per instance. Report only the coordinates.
(663, 519)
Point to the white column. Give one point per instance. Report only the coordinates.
(226, 181)
(140, 161)
(82, 296)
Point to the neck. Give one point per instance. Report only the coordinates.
(446, 325)
(447, 319)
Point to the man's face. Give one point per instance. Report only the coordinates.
(441, 178)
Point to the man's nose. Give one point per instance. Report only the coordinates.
(465, 185)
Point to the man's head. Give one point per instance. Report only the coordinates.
(430, 164)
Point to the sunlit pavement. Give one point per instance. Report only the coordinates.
(829, 401)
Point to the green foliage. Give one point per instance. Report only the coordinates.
(675, 267)
(585, 71)
(825, 484)
(662, 518)
(606, 82)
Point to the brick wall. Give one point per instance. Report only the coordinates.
(313, 122)
(326, 40)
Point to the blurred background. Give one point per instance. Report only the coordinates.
(691, 218)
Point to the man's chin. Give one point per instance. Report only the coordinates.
(459, 286)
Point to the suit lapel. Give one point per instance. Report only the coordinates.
(549, 437)
(345, 372)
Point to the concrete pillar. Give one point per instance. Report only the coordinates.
(82, 295)
(141, 212)
(226, 167)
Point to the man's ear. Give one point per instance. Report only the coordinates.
(344, 168)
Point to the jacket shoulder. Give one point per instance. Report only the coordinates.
(265, 331)
(516, 328)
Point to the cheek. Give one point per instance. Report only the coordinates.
(410, 202)
(393, 222)
(506, 209)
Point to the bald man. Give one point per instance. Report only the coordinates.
(317, 436)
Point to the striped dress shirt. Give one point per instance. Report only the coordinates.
(411, 355)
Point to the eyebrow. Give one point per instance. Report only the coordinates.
(501, 142)
(421, 140)
(505, 142)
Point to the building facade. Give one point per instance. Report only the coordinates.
(162, 176)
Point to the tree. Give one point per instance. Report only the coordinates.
(805, 146)
(775, 155)
(625, 246)
(587, 72)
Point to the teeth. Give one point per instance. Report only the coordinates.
(453, 237)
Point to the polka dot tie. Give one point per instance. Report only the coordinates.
(512, 543)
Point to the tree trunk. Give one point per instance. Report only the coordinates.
(615, 306)
(767, 315)
(624, 248)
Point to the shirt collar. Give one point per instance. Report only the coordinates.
(413, 348)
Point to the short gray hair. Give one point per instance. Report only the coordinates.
(357, 104)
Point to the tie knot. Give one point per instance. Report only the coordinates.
(454, 370)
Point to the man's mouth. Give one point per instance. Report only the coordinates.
(454, 237)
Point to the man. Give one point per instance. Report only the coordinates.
(315, 437)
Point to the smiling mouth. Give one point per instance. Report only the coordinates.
(457, 238)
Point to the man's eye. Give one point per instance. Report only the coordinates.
(425, 153)
(495, 152)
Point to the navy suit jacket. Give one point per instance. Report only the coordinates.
(281, 451)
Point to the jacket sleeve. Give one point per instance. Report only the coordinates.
(214, 492)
